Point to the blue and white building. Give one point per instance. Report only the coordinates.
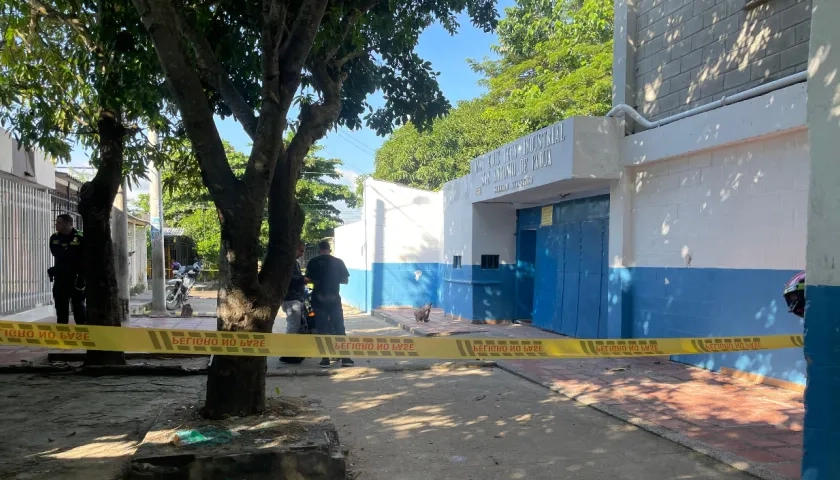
(680, 214)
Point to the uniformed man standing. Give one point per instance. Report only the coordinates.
(66, 274)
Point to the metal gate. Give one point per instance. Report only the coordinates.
(25, 227)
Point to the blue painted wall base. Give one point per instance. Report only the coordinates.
(393, 285)
(641, 302)
(706, 302)
(821, 458)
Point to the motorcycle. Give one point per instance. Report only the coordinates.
(307, 323)
(178, 289)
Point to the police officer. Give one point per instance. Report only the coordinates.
(66, 274)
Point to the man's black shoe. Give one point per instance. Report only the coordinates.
(325, 363)
(347, 362)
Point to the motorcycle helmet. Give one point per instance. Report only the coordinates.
(794, 294)
(176, 266)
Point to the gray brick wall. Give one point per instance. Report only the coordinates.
(692, 52)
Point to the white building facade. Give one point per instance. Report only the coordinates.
(681, 214)
(622, 227)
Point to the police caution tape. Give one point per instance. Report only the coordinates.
(142, 340)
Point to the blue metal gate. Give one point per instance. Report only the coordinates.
(571, 269)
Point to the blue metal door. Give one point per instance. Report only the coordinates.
(545, 278)
(526, 251)
(591, 273)
(569, 276)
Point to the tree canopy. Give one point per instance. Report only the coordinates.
(431, 158)
(555, 62)
(65, 62)
(187, 202)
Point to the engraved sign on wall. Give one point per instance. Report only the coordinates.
(512, 167)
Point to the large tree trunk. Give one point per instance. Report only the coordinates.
(236, 384)
(250, 298)
(97, 198)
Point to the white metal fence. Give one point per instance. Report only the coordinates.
(26, 224)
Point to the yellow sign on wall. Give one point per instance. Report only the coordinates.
(547, 214)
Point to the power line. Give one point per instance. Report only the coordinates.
(356, 143)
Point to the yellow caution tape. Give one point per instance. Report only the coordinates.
(153, 340)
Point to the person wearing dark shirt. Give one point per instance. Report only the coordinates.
(294, 296)
(66, 273)
(327, 273)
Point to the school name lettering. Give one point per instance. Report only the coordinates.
(516, 160)
(374, 347)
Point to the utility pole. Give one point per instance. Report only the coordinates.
(156, 214)
(119, 232)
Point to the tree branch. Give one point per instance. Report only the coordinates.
(347, 24)
(184, 82)
(47, 11)
(215, 74)
(285, 218)
(281, 78)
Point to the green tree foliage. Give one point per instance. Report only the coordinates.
(555, 61)
(187, 203)
(429, 159)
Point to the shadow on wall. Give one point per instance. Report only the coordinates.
(688, 57)
(716, 237)
(402, 254)
(408, 282)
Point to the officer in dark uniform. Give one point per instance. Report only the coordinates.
(66, 274)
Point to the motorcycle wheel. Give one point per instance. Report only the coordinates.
(173, 299)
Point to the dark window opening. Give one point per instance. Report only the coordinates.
(489, 262)
(456, 261)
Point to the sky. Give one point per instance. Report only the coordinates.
(356, 149)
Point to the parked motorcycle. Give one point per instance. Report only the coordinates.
(178, 289)
(307, 322)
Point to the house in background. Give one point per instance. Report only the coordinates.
(26, 222)
(32, 194)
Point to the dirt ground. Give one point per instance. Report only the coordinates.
(73, 427)
(417, 425)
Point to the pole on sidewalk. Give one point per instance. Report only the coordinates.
(156, 214)
(120, 236)
(822, 290)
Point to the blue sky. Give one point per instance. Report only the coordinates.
(356, 149)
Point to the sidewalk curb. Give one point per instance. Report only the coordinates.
(715, 453)
(419, 331)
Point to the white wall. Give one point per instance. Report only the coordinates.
(740, 206)
(350, 245)
(457, 221)
(16, 162)
(137, 260)
(399, 225)
(403, 224)
(494, 232)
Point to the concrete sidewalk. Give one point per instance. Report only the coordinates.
(46, 314)
(756, 428)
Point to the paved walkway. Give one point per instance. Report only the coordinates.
(753, 427)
